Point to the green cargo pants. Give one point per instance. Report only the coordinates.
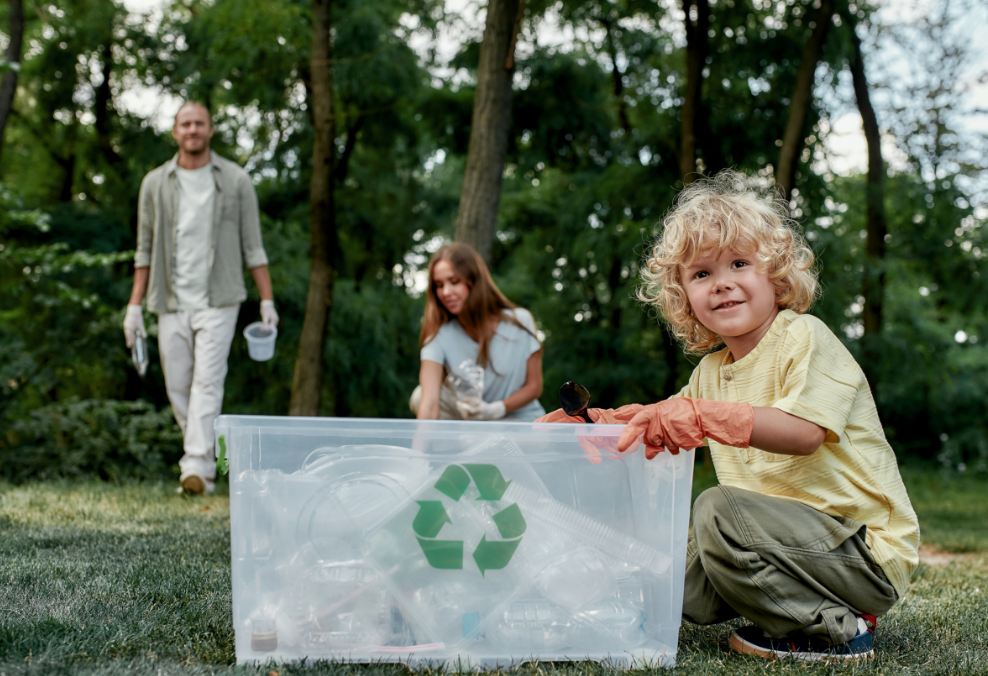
(782, 565)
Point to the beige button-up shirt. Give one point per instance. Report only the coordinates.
(235, 234)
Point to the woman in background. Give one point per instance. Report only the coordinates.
(469, 325)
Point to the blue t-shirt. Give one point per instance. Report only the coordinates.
(508, 354)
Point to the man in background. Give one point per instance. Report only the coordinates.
(197, 219)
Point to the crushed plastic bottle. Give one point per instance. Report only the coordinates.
(540, 626)
(467, 380)
(139, 353)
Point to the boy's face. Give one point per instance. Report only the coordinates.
(732, 298)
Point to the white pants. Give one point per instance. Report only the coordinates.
(194, 347)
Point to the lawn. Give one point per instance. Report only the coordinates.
(101, 579)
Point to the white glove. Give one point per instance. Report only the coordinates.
(268, 314)
(477, 409)
(133, 323)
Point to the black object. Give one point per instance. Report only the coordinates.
(574, 399)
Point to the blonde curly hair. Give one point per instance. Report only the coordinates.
(717, 214)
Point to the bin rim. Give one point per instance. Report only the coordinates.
(405, 428)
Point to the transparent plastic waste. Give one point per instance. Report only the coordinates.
(342, 605)
(577, 577)
(467, 380)
(537, 625)
(470, 545)
(564, 522)
(139, 353)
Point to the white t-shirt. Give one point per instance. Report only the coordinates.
(196, 196)
(508, 354)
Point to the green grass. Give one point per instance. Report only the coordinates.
(98, 579)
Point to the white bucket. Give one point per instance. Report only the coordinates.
(260, 340)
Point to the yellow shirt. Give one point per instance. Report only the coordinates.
(800, 367)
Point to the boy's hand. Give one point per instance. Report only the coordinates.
(685, 423)
(601, 416)
(595, 447)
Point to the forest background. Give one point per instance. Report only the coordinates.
(354, 117)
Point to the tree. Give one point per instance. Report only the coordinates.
(697, 45)
(874, 273)
(307, 384)
(802, 97)
(12, 65)
(477, 217)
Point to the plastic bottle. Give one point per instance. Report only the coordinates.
(467, 381)
(538, 626)
(139, 353)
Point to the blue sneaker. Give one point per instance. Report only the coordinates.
(754, 641)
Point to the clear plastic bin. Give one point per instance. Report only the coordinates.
(463, 544)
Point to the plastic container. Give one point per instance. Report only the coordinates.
(465, 545)
(260, 340)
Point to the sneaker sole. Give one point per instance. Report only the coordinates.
(739, 645)
(193, 485)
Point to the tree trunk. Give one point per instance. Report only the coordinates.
(104, 109)
(616, 76)
(307, 385)
(697, 45)
(8, 85)
(874, 277)
(477, 217)
(792, 139)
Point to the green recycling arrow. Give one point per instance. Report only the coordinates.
(510, 522)
(454, 482)
(489, 481)
(431, 518)
(493, 555)
(443, 554)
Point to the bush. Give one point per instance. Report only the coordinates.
(111, 439)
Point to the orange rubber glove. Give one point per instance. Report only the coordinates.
(601, 416)
(596, 447)
(685, 423)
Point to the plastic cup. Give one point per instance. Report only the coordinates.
(260, 340)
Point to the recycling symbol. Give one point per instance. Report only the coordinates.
(432, 516)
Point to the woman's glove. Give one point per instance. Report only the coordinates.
(268, 314)
(133, 323)
(477, 409)
(685, 423)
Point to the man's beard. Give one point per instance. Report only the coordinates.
(198, 151)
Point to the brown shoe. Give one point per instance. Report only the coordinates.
(193, 484)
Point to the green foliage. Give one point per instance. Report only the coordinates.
(110, 439)
(52, 299)
(592, 167)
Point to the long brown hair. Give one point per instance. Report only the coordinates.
(484, 301)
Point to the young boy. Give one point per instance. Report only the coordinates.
(810, 534)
